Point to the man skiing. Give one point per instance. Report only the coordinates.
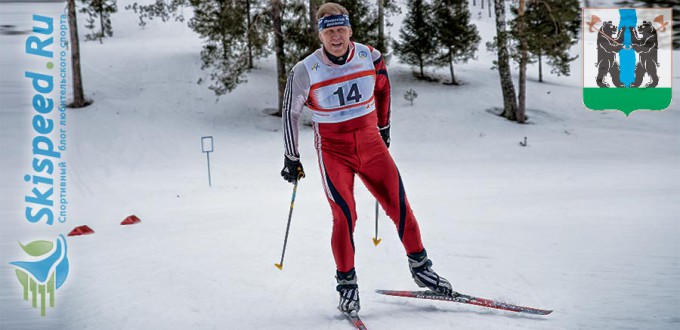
(345, 85)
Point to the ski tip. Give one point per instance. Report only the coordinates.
(376, 241)
(279, 266)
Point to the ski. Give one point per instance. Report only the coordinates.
(356, 321)
(465, 299)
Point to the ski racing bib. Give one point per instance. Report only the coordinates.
(341, 93)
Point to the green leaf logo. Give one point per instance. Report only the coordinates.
(37, 248)
(45, 273)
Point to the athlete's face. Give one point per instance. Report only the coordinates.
(336, 39)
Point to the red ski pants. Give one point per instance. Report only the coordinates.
(356, 147)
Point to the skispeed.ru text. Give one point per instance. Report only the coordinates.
(40, 200)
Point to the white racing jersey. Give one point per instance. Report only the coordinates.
(341, 93)
(335, 93)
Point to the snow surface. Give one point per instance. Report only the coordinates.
(584, 220)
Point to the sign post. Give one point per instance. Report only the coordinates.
(207, 147)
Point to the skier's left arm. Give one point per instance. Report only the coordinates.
(382, 95)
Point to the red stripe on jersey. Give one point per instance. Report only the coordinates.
(351, 53)
(341, 79)
(314, 107)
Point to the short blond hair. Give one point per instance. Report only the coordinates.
(331, 8)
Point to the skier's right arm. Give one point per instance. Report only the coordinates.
(294, 98)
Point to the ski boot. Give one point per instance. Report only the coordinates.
(349, 292)
(425, 277)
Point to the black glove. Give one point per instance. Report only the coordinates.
(292, 170)
(385, 134)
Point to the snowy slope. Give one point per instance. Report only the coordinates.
(583, 220)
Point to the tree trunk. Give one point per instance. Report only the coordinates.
(489, 5)
(78, 95)
(521, 109)
(422, 74)
(453, 75)
(482, 4)
(277, 16)
(313, 8)
(223, 37)
(313, 26)
(225, 45)
(101, 21)
(249, 36)
(382, 46)
(509, 99)
(540, 67)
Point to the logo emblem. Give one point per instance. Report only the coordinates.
(45, 273)
(363, 54)
(627, 57)
(315, 66)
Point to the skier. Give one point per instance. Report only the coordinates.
(345, 85)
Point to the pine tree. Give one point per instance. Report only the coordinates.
(364, 21)
(552, 28)
(234, 34)
(293, 38)
(99, 16)
(258, 27)
(159, 9)
(298, 42)
(525, 40)
(221, 25)
(386, 9)
(457, 39)
(418, 45)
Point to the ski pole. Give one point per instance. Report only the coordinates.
(290, 215)
(376, 240)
